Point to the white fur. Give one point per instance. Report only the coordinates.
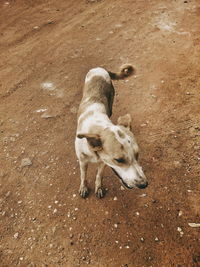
(96, 107)
(81, 146)
(86, 125)
(129, 174)
(99, 117)
(98, 72)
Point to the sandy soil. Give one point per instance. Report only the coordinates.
(46, 48)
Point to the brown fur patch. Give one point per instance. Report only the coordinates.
(97, 90)
(121, 134)
(124, 72)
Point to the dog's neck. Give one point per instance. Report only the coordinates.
(93, 119)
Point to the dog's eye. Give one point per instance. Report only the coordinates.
(120, 160)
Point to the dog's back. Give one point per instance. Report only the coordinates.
(98, 87)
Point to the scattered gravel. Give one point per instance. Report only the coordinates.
(179, 229)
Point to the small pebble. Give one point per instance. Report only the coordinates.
(180, 213)
(7, 194)
(41, 110)
(16, 235)
(143, 195)
(180, 231)
(26, 162)
(54, 211)
(115, 198)
(177, 164)
(73, 110)
(46, 115)
(194, 224)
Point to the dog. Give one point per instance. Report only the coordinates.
(99, 141)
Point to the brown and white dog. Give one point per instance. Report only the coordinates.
(98, 140)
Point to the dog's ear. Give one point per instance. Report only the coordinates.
(125, 121)
(94, 141)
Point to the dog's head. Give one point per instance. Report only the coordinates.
(117, 147)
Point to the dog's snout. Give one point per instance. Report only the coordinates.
(142, 186)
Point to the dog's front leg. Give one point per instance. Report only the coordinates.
(83, 190)
(98, 183)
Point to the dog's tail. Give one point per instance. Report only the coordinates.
(124, 72)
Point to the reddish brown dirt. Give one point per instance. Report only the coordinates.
(44, 222)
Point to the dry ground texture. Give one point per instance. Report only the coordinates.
(46, 49)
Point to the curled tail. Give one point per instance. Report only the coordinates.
(124, 72)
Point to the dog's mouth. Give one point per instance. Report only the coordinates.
(129, 187)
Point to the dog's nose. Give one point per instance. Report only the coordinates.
(142, 186)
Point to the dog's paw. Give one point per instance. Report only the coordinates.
(100, 192)
(84, 191)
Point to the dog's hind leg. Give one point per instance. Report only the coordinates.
(98, 183)
(83, 190)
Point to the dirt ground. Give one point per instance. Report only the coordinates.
(46, 49)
